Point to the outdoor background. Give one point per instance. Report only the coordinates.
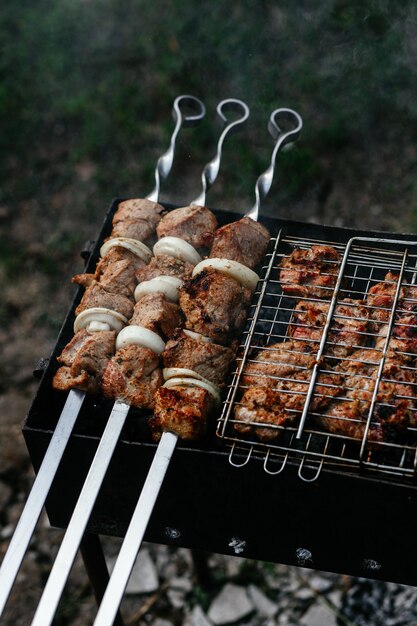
(86, 92)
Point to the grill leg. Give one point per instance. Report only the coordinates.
(95, 565)
(201, 568)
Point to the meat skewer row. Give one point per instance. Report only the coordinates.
(144, 507)
(40, 489)
(134, 365)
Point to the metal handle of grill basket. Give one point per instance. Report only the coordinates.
(46, 474)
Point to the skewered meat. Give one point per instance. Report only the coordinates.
(195, 224)
(117, 260)
(244, 241)
(83, 360)
(210, 360)
(348, 329)
(395, 399)
(164, 265)
(310, 273)
(182, 410)
(278, 381)
(214, 305)
(137, 219)
(96, 296)
(154, 312)
(133, 375)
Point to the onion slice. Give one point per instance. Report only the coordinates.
(168, 285)
(178, 248)
(197, 336)
(99, 318)
(182, 372)
(242, 274)
(133, 245)
(194, 382)
(140, 336)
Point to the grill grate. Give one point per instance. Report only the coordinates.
(351, 371)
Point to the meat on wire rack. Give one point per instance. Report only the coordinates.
(144, 507)
(82, 511)
(340, 366)
(187, 110)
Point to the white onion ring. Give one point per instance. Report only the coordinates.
(168, 285)
(140, 336)
(182, 372)
(178, 248)
(197, 336)
(133, 245)
(242, 274)
(194, 382)
(99, 315)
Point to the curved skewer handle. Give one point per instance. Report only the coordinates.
(164, 164)
(282, 138)
(211, 169)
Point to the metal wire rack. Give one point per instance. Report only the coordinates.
(370, 292)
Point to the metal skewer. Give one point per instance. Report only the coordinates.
(150, 491)
(82, 511)
(46, 474)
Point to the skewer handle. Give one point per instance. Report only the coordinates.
(282, 138)
(36, 500)
(164, 164)
(80, 516)
(211, 169)
(135, 533)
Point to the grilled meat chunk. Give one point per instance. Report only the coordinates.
(277, 383)
(210, 360)
(156, 313)
(97, 296)
(348, 329)
(380, 297)
(214, 305)
(195, 224)
(164, 265)
(84, 360)
(137, 219)
(310, 273)
(133, 375)
(116, 271)
(181, 410)
(395, 406)
(244, 241)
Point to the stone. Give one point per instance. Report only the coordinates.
(197, 617)
(319, 615)
(320, 584)
(231, 605)
(262, 603)
(144, 577)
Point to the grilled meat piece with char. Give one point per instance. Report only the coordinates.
(84, 360)
(348, 330)
(181, 410)
(277, 383)
(137, 219)
(115, 271)
(133, 375)
(156, 313)
(380, 297)
(195, 224)
(208, 359)
(97, 296)
(244, 241)
(214, 305)
(310, 273)
(395, 407)
(164, 265)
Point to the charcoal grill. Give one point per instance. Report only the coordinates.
(320, 501)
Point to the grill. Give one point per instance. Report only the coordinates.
(365, 261)
(349, 513)
(323, 499)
